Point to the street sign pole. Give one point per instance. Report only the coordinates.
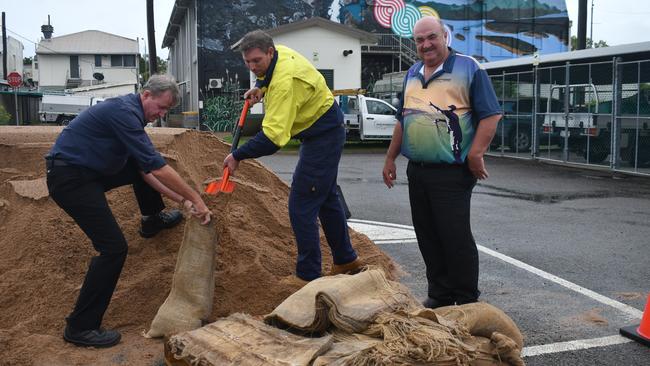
(16, 105)
(15, 80)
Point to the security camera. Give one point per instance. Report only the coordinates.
(347, 52)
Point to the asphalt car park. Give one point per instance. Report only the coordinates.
(563, 251)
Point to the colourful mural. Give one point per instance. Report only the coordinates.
(488, 30)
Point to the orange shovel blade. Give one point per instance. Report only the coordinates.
(226, 186)
(212, 188)
(221, 185)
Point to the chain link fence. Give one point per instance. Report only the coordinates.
(595, 114)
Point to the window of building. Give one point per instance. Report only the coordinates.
(98, 60)
(328, 74)
(117, 60)
(123, 60)
(129, 60)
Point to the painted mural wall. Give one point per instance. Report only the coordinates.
(489, 30)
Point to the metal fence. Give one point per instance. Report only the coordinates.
(592, 114)
(222, 107)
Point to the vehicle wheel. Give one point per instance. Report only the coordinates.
(598, 151)
(520, 140)
(631, 157)
(64, 121)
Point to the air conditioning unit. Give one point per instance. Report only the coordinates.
(215, 84)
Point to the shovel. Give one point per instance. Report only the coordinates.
(223, 184)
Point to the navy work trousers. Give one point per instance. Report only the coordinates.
(314, 196)
(80, 193)
(440, 198)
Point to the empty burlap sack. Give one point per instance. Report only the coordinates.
(349, 302)
(404, 332)
(422, 337)
(242, 340)
(402, 338)
(345, 346)
(190, 299)
(483, 319)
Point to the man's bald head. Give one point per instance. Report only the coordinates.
(431, 41)
(427, 23)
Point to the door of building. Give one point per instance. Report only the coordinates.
(74, 67)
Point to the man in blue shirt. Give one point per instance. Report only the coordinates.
(448, 115)
(105, 147)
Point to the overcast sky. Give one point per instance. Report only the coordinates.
(615, 21)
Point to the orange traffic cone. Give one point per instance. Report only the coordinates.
(641, 332)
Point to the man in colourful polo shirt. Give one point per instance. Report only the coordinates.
(448, 115)
(298, 104)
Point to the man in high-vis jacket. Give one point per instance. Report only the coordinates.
(298, 104)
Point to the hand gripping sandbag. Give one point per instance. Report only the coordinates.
(190, 299)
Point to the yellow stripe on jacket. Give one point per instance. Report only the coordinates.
(296, 97)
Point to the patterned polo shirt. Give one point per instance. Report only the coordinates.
(439, 116)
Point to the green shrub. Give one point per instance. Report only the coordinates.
(5, 117)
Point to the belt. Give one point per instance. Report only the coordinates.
(55, 162)
(436, 165)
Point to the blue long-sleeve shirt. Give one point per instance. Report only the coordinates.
(104, 136)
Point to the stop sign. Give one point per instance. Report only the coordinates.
(14, 79)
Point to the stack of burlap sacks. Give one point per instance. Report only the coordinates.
(361, 319)
(356, 320)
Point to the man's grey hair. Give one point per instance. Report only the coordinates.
(159, 84)
(256, 39)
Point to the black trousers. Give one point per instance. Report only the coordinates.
(80, 193)
(440, 207)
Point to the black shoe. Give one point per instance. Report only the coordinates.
(151, 225)
(433, 303)
(100, 338)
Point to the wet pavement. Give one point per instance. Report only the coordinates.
(564, 251)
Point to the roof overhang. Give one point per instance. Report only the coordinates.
(175, 21)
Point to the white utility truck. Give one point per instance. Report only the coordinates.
(61, 109)
(368, 118)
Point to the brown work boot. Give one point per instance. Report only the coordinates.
(293, 281)
(348, 268)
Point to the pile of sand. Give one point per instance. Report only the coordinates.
(45, 255)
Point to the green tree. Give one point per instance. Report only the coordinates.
(27, 61)
(144, 67)
(590, 43)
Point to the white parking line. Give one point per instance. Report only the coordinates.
(573, 345)
(387, 233)
(632, 313)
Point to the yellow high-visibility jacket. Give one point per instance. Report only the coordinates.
(295, 98)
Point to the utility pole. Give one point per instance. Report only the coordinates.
(146, 61)
(151, 37)
(4, 47)
(582, 25)
(591, 31)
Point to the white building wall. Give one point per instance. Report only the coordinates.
(183, 61)
(324, 49)
(14, 56)
(52, 69)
